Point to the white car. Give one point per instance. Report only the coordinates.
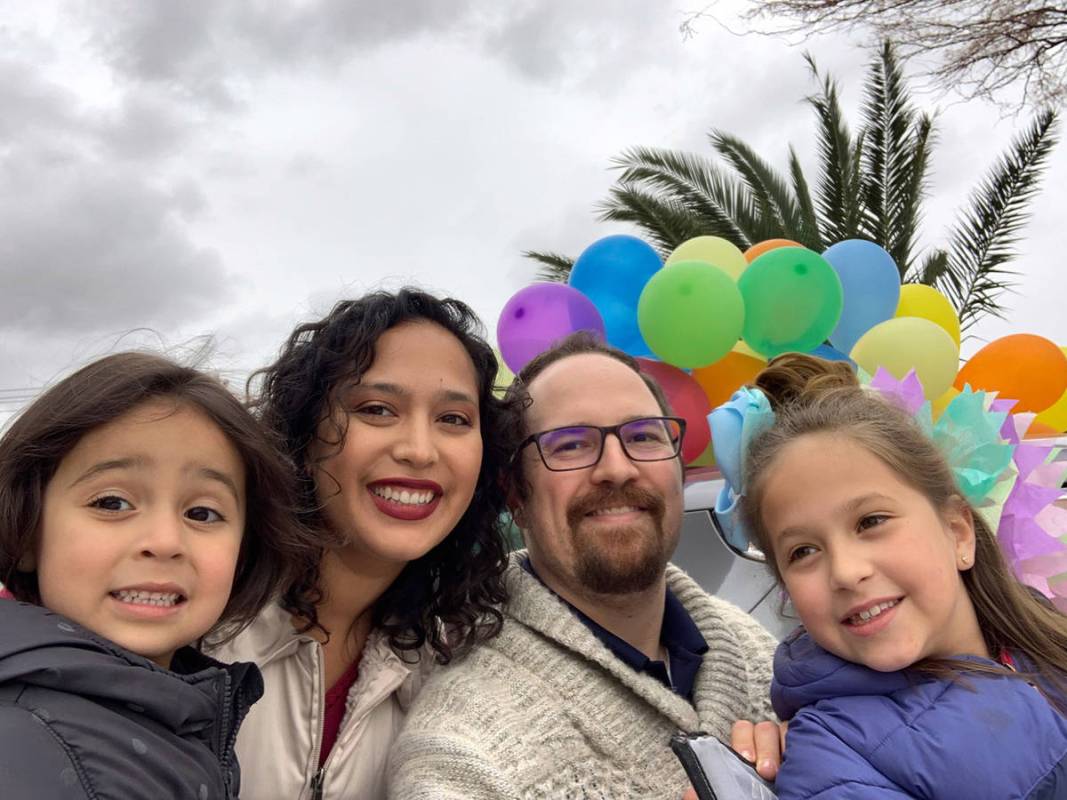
(740, 577)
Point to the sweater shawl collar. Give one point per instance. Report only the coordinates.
(534, 606)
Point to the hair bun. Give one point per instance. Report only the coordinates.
(797, 377)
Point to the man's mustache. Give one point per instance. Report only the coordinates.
(613, 497)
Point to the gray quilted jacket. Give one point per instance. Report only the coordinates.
(82, 718)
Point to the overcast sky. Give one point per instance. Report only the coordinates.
(215, 167)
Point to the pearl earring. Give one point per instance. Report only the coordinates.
(965, 559)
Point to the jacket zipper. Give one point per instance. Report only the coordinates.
(317, 783)
(319, 780)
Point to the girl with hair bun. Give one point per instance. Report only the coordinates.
(922, 669)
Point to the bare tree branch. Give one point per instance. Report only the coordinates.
(984, 48)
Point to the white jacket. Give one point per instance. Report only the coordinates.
(278, 744)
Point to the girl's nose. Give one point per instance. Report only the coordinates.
(848, 567)
(164, 536)
(415, 444)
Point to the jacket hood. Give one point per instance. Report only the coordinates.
(44, 649)
(805, 673)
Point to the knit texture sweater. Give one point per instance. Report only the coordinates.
(545, 710)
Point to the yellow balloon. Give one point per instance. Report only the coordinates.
(743, 348)
(711, 249)
(905, 343)
(504, 376)
(1055, 416)
(920, 300)
(938, 406)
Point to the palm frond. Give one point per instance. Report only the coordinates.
(837, 195)
(554, 267)
(691, 182)
(771, 192)
(983, 240)
(934, 269)
(809, 233)
(666, 223)
(894, 159)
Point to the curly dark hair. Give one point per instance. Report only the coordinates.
(274, 545)
(448, 597)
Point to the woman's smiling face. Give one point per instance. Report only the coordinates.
(408, 466)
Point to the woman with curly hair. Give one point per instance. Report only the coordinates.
(387, 408)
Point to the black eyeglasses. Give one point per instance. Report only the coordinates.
(581, 446)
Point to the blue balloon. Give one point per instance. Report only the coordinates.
(870, 281)
(832, 354)
(612, 272)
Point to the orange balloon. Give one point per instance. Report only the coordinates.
(759, 248)
(727, 375)
(1038, 430)
(1022, 367)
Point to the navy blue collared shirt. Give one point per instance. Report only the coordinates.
(679, 635)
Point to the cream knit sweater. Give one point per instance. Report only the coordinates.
(545, 710)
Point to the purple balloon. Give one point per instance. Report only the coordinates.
(538, 316)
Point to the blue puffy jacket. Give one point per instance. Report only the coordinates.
(858, 734)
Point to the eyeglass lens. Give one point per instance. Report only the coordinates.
(642, 440)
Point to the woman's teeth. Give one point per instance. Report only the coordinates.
(147, 598)
(871, 613)
(405, 496)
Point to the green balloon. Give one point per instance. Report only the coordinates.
(690, 313)
(793, 300)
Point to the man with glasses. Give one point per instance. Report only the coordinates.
(606, 649)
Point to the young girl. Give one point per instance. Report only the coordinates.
(923, 669)
(388, 411)
(140, 505)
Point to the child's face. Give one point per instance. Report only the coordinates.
(849, 536)
(141, 528)
(409, 464)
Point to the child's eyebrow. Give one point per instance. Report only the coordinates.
(215, 475)
(132, 462)
(106, 466)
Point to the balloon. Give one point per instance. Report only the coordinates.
(920, 300)
(538, 316)
(906, 343)
(727, 375)
(1055, 416)
(938, 406)
(713, 250)
(1022, 367)
(830, 354)
(870, 281)
(690, 313)
(705, 459)
(792, 301)
(760, 248)
(745, 350)
(612, 272)
(687, 400)
(504, 376)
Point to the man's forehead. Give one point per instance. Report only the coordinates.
(587, 388)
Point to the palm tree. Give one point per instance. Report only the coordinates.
(870, 185)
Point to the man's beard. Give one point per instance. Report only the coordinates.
(622, 560)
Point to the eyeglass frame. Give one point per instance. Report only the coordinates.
(534, 438)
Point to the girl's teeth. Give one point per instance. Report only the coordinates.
(871, 613)
(405, 496)
(147, 598)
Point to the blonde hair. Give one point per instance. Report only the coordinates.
(812, 396)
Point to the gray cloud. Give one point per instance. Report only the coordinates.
(89, 246)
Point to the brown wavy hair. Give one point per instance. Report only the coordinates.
(274, 543)
(810, 395)
(457, 586)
